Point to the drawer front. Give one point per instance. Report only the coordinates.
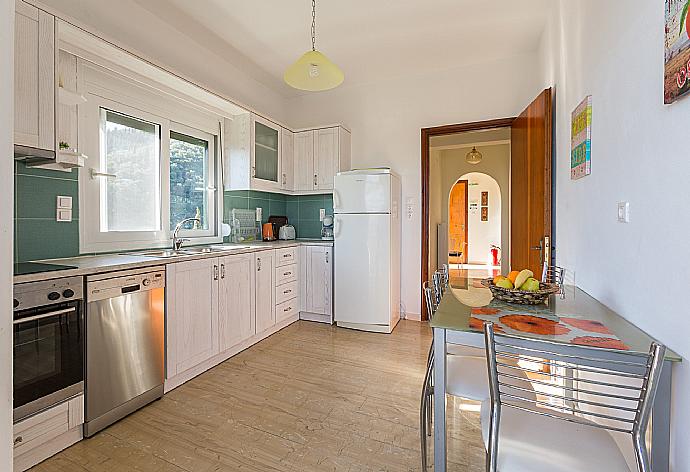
(286, 256)
(287, 309)
(286, 274)
(40, 429)
(287, 292)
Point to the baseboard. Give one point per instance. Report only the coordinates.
(372, 328)
(317, 317)
(413, 316)
(189, 374)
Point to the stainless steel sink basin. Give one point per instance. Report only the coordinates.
(197, 250)
(162, 253)
(228, 248)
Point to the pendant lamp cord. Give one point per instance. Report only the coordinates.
(313, 25)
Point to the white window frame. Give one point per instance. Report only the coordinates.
(118, 94)
(211, 188)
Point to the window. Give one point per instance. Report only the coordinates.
(131, 190)
(192, 188)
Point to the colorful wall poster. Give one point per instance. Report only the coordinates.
(581, 140)
(677, 50)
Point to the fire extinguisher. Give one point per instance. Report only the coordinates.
(494, 255)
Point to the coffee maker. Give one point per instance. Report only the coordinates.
(327, 228)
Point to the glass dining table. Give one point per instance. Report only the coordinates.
(571, 321)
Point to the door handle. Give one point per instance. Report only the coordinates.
(315, 180)
(258, 264)
(222, 271)
(326, 257)
(215, 272)
(539, 248)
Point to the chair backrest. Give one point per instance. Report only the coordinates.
(445, 275)
(614, 391)
(437, 283)
(553, 274)
(430, 299)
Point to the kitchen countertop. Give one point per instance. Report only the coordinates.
(87, 265)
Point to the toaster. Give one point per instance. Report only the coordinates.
(286, 232)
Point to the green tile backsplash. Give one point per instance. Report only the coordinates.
(302, 211)
(36, 233)
(38, 236)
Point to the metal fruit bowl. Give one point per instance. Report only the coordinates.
(522, 297)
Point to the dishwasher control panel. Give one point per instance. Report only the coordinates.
(124, 285)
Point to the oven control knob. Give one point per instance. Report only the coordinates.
(146, 282)
(15, 303)
(53, 296)
(69, 293)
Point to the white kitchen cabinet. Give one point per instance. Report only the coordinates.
(236, 300)
(287, 159)
(265, 296)
(319, 155)
(191, 313)
(317, 282)
(34, 77)
(304, 160)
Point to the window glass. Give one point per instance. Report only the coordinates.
(131, 192)
(189, 180)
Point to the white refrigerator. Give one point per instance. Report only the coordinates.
(366, 209)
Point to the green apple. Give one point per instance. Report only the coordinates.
(530, 285)
(505, 283)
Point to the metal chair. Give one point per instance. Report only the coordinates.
(466, 377)
(553, 274)
(567, 432)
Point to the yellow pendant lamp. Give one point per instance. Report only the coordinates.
(313, 71)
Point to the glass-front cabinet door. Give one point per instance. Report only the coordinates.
(266, 154)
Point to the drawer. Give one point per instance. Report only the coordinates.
(48, 425)
(286, 274)
(287, 309)
(286, 256)
(287, 292)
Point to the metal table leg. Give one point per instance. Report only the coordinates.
(661, 421)
(440, 400)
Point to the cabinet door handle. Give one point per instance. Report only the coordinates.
(287, 309)
(222, 271)
(284, 179)
(287, 255)
(285, 292)
(18, 440)
(326, 257)
(258, 264)
(287, 273)
(215, 272)
(315, 180)
(253, 171)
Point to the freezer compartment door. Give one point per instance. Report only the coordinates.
(362, 268)
(362, 193)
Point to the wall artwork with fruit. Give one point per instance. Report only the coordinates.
(677, 50)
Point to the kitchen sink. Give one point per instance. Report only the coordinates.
(229, 248)
(162, 253)
(197, 250)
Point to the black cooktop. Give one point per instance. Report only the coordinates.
(23, 268)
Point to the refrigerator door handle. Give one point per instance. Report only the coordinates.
(336, 226)
(336, 200)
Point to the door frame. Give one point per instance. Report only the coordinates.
(467, 193)
(426, 134)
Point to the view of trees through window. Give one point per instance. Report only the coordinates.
(132, 190)
(188, 179)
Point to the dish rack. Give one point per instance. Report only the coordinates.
(243, 224)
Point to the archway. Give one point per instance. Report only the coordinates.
(474, 221)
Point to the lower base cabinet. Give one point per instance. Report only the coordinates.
(317, 283)
(42, 435)
(265, 301)
(236, 300)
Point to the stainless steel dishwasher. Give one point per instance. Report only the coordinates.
(125, 344)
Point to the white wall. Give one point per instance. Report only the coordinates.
(481, 235)
(6, 226)
(386, 119)
(640, 148)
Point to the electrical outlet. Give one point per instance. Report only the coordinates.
(624, 212)
(322, 214)
(259, 214)
(63, 215)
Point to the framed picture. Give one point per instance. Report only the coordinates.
(485, 199)
(677, 50)
(581, 140)
(485, 213)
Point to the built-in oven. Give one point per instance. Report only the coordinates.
(49, 335)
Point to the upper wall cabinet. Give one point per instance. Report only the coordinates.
(319, 155)
(253, 154)
(34, 77)
(287, 159)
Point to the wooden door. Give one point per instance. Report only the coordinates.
(236, 300)
(287, 158)
(192, 313)
(304, 160)
(319, 287)
(531, 185)
(34, 77)
(325, 158)
(457, 223)
(265, 290)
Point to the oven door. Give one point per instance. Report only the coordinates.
(48, 357)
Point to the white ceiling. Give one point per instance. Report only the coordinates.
(371, 40)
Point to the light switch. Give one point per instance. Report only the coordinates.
(624, 212)
(64, 215)
(409, 208)
(322, 214)
(64, 203)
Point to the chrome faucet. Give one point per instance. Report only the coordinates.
(177, 242)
